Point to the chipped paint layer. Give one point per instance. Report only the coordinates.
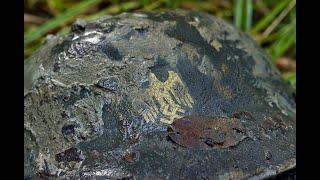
(171, 96)
(207, 133)
(216, 44)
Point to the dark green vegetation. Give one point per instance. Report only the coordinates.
(271, 22)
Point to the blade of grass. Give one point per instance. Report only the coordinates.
(153, 5)
(243, 14)
(271, 38)
(238, 13)
(127, 6)
(67, 16)
(286, 41)
(276, 35)
(264, 22)
(173, 3)
(248, 17)
(278, 19)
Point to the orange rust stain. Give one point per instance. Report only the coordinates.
(204, 132)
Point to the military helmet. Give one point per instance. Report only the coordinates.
(160, 95)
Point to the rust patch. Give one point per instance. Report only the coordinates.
(130, 157)
(204, 132)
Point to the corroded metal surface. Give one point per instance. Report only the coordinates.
(172, 95)
(202, 132)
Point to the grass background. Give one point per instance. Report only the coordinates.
(272, 23)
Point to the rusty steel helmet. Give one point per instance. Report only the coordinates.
(161, 95)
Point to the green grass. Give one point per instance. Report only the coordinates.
(286, 39)
(243, 14)
(266, 20)
(69, 15)
(271, 22)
